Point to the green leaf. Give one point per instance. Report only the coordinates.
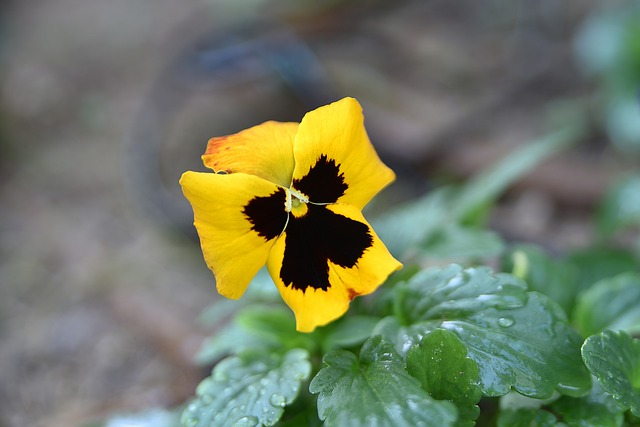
(631, 420)
(407, 226)
(348, 331)
(621, 207)
(527, 417)
(375, 390)
(261, 290)
(231, 339)
(250, 390)
(441, 365)
(490, 184)
(610, 304)
(457, 292)
(458, 243)
(381, 303)
(518, 339)
(614, 359)
(275, 325)
(555, 279)
(597, 409)
(594, 264)
(256, 327)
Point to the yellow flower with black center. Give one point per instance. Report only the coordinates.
(290, 196)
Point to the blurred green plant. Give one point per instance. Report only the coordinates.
(620, 209)
(608, 48)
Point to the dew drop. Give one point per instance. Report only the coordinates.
(505, 322)
(234, 411)
(207, 399)
(270, 418)
(568, 389)
(278, 400)
(248, 421)
(192, 422)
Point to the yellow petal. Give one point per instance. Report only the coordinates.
(334, 159)
(325, 259)
(265, 150)
(238, 218)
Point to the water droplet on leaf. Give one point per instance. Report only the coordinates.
(270, 418)
(278, 400)
(505, 322)
(248, 421)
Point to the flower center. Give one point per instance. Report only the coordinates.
(296, 202)
(294, 199)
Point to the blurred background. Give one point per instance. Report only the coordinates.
(103, 104)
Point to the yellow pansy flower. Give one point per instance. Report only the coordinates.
(290, 196)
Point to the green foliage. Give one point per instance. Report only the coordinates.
(612, 303)
(614, 57)
(416, 224)
(441, 365)
(349, 331)
(614, 359)
(594, 264)
(256, 327)
(518, 339)
(527, 417)
(621, 207)
(406, 227)
(608, 47)
(248, 390)
(597, 409)
(543, 274)
(375, 390)
(458, 243)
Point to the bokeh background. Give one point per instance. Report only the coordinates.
(103, 104)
